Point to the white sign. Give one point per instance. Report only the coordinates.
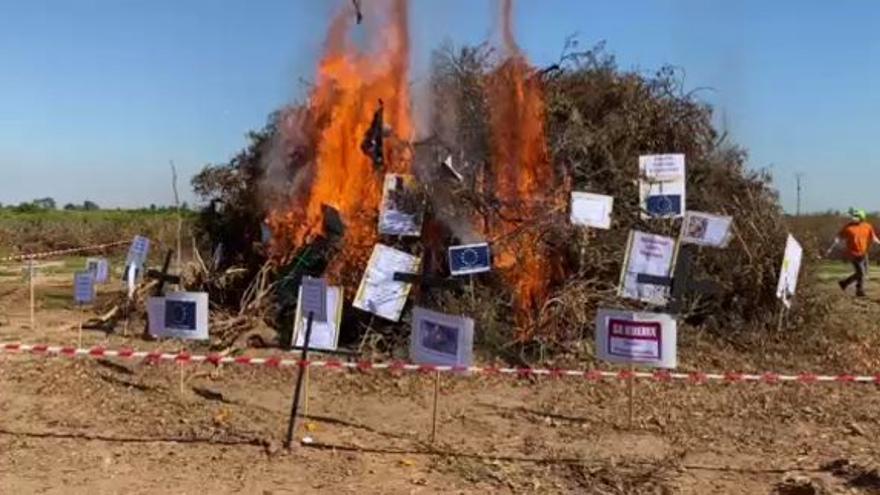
(83, 287)
(591, 210)
(706, 229)
(402, 206)
(791, 267)
(662, 186)
(441, 339)
(630, 337)
(179, 315)
(138, 252)
(313, 298)
(379, 293)
(325, 335)
(131, 275)
(100, 269)
(646, 254)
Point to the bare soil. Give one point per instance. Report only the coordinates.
(112, 426)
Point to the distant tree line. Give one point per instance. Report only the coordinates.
(49, 204)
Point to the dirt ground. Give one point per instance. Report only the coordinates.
(114, 426)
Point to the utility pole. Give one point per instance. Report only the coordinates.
(799, 176)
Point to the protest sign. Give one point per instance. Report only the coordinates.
(402, 206)
(646, 254)
(325, 335)
(100, 269)
(469, 259)
(662, 186)
(180, 315)
(138, 252)
(441, 339)
(591, 210)
(788, 274)
(313, 298)
(378, 292)
(83, 288)
(630, 337)
(705, 229)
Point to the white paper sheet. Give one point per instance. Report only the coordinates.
(325, 335)
(647, 254)
(402, 210)
(662, 186)
(591, 210)
(441, 339)
(706, 229)
(379, 293)
(791, 268)
(631, 337)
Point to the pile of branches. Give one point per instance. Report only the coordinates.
(599, 119)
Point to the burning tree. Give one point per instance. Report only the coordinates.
(506, 146)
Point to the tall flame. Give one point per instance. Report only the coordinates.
(523, 178)
(349, 84)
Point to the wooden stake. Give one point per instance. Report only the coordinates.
(434, 413)
(31, 284)
(82, 315)
(472, 291)
(631, 386)
(181, 378)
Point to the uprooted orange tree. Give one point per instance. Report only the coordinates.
(497, 147)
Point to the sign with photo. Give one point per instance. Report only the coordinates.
(469, 259)
(630, 337)
(313, 298)
(647, 254)
(591, 210)
(705, 229)
(83, 288)
(662, 186)
(179, 315)
(100, 269)
(791, 268)
(403, 206)
(440, 339)
(378, 292)
(325, 335)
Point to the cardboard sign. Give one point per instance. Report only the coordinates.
(469, 259)
(591, 210)
(662, 186)
(403, 206)
(325, 335)
(313, 298)
(378, 292)
(179, 315)
(440, 339)
(630, 337)
(100, 269)
(791, 268)
(83, 288)
(646, 254)
(138, 252)
(705, 229)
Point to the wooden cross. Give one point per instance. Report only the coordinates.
(681, 282)
(162, 275)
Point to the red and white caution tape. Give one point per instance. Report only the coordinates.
(60, 252)
(694, 378)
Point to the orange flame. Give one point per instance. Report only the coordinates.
(523, 178)
(349, 85)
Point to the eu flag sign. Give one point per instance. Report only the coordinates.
(468, 259)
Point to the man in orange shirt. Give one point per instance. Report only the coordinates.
(858, 235)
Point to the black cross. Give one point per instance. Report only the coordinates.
(163, 276)
(427, 280)
(681, 282)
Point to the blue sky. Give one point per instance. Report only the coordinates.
(96, 96)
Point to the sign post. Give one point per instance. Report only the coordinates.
(32, 273)
(313, 292)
